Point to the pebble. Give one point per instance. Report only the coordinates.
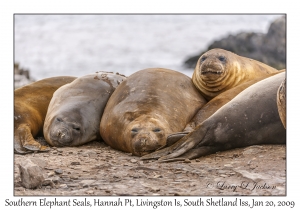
(86, 183)
(133, 160)
(63, 186)
(187, 161)
(154, 189)
(90, 192)
(51, 173)
(58, 171)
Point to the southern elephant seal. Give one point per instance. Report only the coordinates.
(74, 113)
(250, 118)
(219, 70)
(281, 102)
(30, 108)
(212, 106)
(146, 108)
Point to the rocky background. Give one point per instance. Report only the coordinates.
(268, 48)
(21, 76)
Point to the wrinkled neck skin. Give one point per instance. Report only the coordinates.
(146, 134)
(230, 77)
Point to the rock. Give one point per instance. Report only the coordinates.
(63, 186)
(86, 183)
(58, 171)
(268, 48)
(21, 76)
(133, 160)
(187, 160)
(154, 189)
(75, 163)
(32, 176)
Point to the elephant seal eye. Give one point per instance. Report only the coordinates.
(76, 128)
(134, 130)
(156, 130)
(203, 58)
(59, 119)
(222, 58)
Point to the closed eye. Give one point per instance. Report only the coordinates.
(76, 128)
(222, 58)
(156, 130)
(134, 130)
(59, 119)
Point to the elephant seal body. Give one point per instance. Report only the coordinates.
(30, 108)
(146, 108)
(74, 113)
(250, 118)
(212, 106)
(281, 102)
(219, 70)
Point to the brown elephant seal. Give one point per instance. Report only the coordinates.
(250, 118)
(281, 102)
(219, 70)
(212, 106)
(146, 108)
(30, 108)
(74, 113)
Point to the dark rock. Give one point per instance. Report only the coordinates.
(21, 76)
(268, 48)
(58, 171)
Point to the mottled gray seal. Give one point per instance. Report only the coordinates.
(250, 118)
(30, 108)
(219, 70)
(146, 108)
(74, 113)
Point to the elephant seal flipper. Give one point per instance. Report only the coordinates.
(250, 118)
(30, 108)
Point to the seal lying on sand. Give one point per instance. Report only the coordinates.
(212, 106)
(146, 108)
(74, 113)
(219, 70)
(30, 108)
(250, 118)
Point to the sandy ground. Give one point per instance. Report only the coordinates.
(97, 169)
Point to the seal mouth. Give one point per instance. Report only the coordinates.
(211, 72)
(60, 137)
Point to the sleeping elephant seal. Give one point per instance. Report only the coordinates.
(219, 70)
(30, 108)
(74, 113)
(250, 118)
(212, 106)
(281, 102)
(146, 108)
